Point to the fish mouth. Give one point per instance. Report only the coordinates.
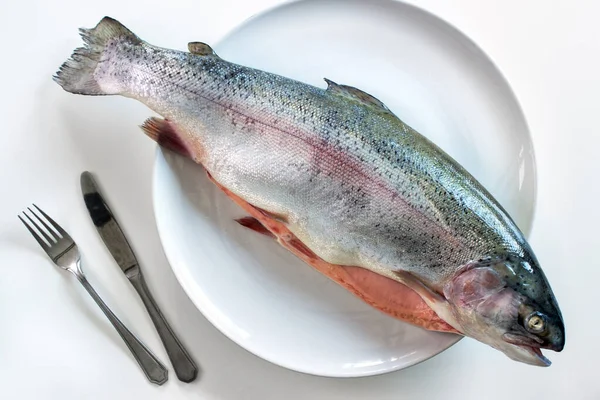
(529, 349)
(537, 353)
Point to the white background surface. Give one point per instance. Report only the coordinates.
(55, 343)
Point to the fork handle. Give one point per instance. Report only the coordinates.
(154, 370)
(184, 366)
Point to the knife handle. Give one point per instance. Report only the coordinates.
(152, 367)
(184, 366)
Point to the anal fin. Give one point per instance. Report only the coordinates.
(165, 133)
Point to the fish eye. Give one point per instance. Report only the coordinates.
(535, 322)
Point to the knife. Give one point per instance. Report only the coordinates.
(118, 246)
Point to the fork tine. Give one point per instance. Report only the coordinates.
(44, 245)
(56, 237)
(56, 226)
(50, 238)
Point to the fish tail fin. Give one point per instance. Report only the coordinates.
(79, 73)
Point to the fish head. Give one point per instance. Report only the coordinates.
(509, 305)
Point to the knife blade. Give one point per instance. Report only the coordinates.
(113, 237)
(107, 226)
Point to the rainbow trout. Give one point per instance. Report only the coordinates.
(336, 178)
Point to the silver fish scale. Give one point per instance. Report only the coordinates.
(358, 186)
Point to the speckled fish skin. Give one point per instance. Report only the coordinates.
(353, 182)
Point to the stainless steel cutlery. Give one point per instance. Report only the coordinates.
(63, 251)
(117, 244)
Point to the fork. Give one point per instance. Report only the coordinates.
(63, 251)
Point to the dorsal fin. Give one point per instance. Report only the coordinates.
(357, 95)
(201, 49)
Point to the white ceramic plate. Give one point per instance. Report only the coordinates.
(431, 76)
